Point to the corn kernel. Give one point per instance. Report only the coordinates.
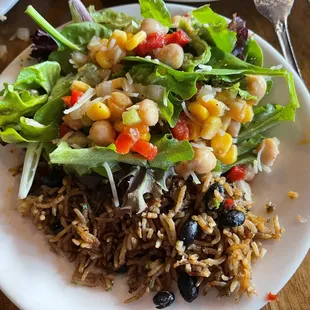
(119, 126)
(230, 157)
(79, 86)
(98, 111)
(117, 83)
(249, 114)
(198, 111)
(120, 38)
(136, 40)
(129, 35)
(194, 130)
(103, 60)
(210, 127)
(225, 122)
(104, 41)
(215, 107)
(221, 144)
(237, 109)
(146, 136)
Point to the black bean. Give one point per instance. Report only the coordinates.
(53, 179)
(56, 227)
(122, 269)
(189, 232)
(187, 287)
(231, 218)
(163, 299)
(211, 202)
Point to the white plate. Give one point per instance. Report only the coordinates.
(36, 279)
(6, 5)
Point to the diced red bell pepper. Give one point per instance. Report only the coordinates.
(75, 96)
(178, 37)
(63, 130)
(180, 131)
(146, 149)
(124, 143)
(70, 101)
(236, 173)
(152, 42)
(67, 100)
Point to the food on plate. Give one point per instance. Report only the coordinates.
(141, 136)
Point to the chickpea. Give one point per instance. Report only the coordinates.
(234, 128)
(204, 161)
(117, 103)
(102, 133)
(148, 112)
(150, 25)
(171, 54)
(270, 151)
(257, 86)
(74, 124)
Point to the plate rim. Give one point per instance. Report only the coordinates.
(262, 42)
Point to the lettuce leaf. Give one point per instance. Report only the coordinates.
(253, 53)
(155, 9)
(214, 28)
(170, 152)
(16, 104)
(30, 131)
(111, 19)
(92, 157)
(44, 75)
(52, 111)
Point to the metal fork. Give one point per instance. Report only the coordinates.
(277, 12)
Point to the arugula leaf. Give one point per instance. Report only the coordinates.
(161, 177)
(81, 33)
(214, 28)
(30, 131)
(111, 19)
(43, 75)
(63, 57)
(52, 111)
(92, 157)
(254, 54)
(141, 183)
(155, 9)
(170, 152)
(16, 104)
(265, 117)
(220, 59)
(250, 144)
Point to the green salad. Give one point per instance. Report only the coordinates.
(159, 96)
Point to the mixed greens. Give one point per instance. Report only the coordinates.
(218, 58)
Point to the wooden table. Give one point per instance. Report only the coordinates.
(296, 294)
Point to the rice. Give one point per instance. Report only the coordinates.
(82, 224)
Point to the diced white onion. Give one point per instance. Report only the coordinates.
(148, 57)
(104, 88)
(112, 184)
(246, 189)
(94, 43)
(156, 92)
(259, 157)
(111, 44)
(129, 78)
(117, 55)
(204, 68)
(266, 169)
(86, 97)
